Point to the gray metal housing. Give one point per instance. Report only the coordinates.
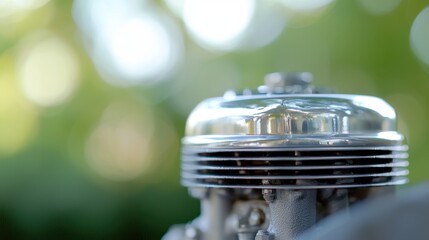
(271, 164)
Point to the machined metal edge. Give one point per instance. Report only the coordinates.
(187, 166)
(396, 181)
(395, 173)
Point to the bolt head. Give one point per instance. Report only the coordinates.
(278, 82)
(191, 232)
(256, 217)
(269, 195)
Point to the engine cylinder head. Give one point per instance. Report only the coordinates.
(270, 163)
(290, 136)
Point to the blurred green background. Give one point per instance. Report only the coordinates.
(94, 95)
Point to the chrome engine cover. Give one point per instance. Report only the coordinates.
(271, 163)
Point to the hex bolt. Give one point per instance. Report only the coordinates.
(269, 195)
(277, 82)
(256, 217)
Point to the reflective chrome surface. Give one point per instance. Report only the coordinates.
(331, 117)
(302, 153)
(290, 135)
(293, 141)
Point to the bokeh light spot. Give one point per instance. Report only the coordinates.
(18, 117)
(120, 148)
(419, 36)
(266, 26)
(128, 43)
(140, 47)
(48, 71)
(217, 24)
(15, 10)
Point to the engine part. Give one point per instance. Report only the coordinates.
(271, 163)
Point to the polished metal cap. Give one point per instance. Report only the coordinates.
(293, 115)
(284, 120)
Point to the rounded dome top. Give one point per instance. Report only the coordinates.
(320, 116)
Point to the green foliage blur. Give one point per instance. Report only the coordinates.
(50, 190)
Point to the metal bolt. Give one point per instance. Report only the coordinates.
(269, 195)
(256, 217)
(284, 82)
(191, 233)
(264, 235)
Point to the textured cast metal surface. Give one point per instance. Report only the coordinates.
(291, 219)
